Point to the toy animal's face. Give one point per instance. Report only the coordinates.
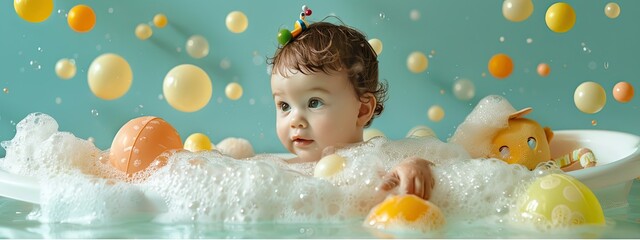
(523, 142)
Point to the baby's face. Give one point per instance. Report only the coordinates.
(314, 112)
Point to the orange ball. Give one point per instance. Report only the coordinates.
(623, 92)
(140, 141)
(500, 65)
(544, 69)
(81, 18)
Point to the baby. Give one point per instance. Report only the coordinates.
(326, 90)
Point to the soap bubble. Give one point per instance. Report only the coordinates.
(517, 10)
(187, 88)
(33, 11)
(417, 62)
(237, 22)
(464, 89)
(590, 97)
(143, 31)
(109, 76)
(436, 113)
(376, 44)
(197, 46)
(560, 17)
(233, 91)
(612, 10)
(65, 68)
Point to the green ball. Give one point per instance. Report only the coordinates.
(284, 36)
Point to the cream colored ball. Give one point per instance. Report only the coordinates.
(233, 91)
(65, 68)
(237, 148)
(237, 22)
(143, 31)
(436, 113)
(376, 44)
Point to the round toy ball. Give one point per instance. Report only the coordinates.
(233, 91)
(544, 69)
(421, 131)
(623, 92)
(34, 11)
(370, 133)
(198, 142)
(560, 17)
(436, 113)
(464, 89)
(417, 62)
(187, 88)
(329, 165)
(237, 148)
(140, 141)
(517, 10)
(81, 18)
(160, 20)
(405, 212)
(197, 47)
(237, 22)
(500, 66)
(559, 200)
(143, 31)
(109, 76)
(284, 35)
(612, 10)
(376, 44)
(590, 97)
(65, 69)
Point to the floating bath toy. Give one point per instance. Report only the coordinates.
(160, 20)
(405, 212)
(198, 142)
(329, 165)
(140, 141)
(560, 17)
(237, 148)
(33, 11)
(500, 66)
(81, 18)
(559, 200)
(284, 35)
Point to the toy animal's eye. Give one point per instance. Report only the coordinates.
(505, 152)
(532, 142)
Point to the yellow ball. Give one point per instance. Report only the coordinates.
(376, 44)
(143, 31)
(417, 62)
(65, 69)
(612, 10)
(517, 10)
(233, 91)
(34, 11)
(329, 166)
(160, 20)
(237, 22)
(198, 142)
(109, 76)
(370, 133)
(590, 97)
(421, 131)
(559, 200)
(405, 212)
(560, 17)
(436, 113)
(187, 88)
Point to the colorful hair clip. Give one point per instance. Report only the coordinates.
(284, 36)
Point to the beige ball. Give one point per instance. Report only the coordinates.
(237, 148)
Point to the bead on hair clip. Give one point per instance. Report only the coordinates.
(284, 35)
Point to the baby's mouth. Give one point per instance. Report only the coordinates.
(301, 142)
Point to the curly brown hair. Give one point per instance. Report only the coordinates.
(327, 47)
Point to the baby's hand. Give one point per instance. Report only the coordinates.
(413, 175)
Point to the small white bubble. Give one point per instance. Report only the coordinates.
(382, 15)
(178, 49)
(529, 40)
(414, 15)
(606, 65)
(225, 63)
(592, 65)
(160, 97)
(91, 139)
(94, 112)
(219, 99)
(58, 100)
(252, 101)
(110, 10)
(501, 39)
(98, 47)
(40, 49)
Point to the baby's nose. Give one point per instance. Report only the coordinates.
(298, 122)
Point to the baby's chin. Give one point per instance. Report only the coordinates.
(308, 156)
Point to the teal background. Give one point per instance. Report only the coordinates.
(462, 35)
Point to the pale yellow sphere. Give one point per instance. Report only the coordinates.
(160, 20)
(517, 10)
(197, 46)
(612, 10)
(233, 91)
(436, 113)
(237, 148)
(590, 97)
(65, 68)
(376, 44)
(417, 62)
(329, 165)
(198, 142)
(143, 31)
(237, 22)
(370, 133)
(421, 131)
(187, 88)
(109, 76)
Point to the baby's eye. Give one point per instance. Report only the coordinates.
(283, 106)
(505, 152)
(315, 103)
(532, 142)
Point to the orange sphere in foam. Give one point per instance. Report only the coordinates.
(140, 141)
(500, 65)
(405, 212)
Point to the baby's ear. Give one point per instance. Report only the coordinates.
(367, 108)
(549, 133)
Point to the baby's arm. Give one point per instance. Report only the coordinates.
(413, 175)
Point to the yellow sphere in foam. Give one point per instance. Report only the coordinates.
(160, 20)
(143, 31)
(65, 69)
(560, 17)
(198, 142)
(109, 76)
(233, 91)
(559, 200)
(187, 88)
(417, 62)
(421, 131)
(33, 10)
(436, 113)
(329, 166)
(237, 22)
(370, 133)
(405, 212)
(376, 44)
(590, 97)
(517, 10)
